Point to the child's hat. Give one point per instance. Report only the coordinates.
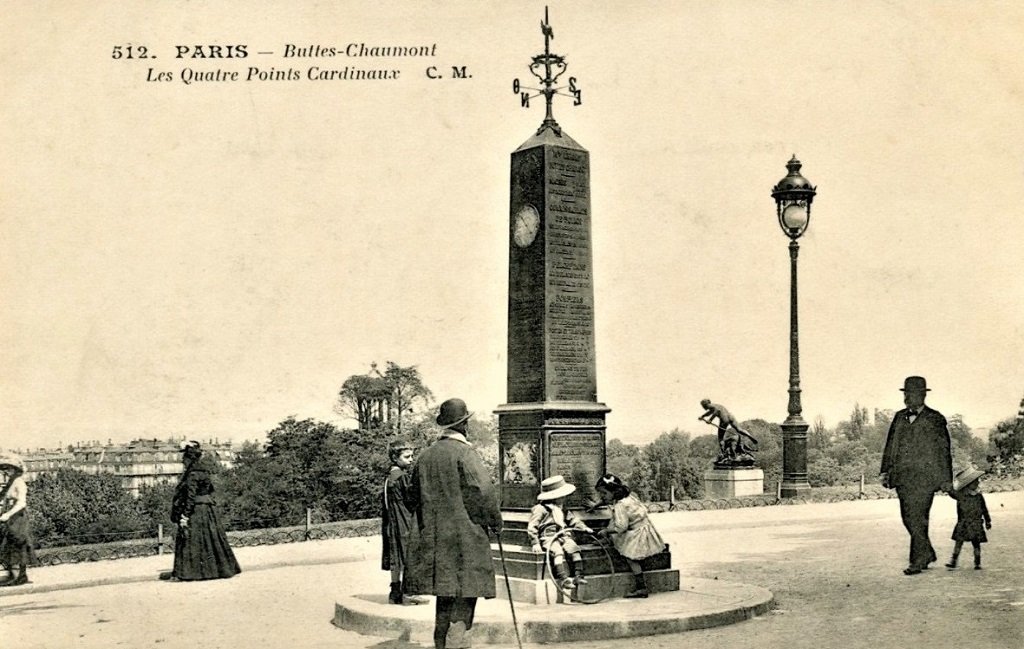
(610, 481)
(965, 477)
(555, 487)
(12, 461)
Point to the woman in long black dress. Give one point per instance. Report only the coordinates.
(201, 549)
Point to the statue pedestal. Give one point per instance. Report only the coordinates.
(734, 482)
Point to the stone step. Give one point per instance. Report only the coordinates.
(597, 589)
(597, 560)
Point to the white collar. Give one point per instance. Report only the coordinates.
(457, 436)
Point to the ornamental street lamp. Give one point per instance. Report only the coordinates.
(793, 196)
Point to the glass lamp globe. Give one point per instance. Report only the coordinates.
(794, 217)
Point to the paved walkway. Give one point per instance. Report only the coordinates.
(128, 571)
(835, 571)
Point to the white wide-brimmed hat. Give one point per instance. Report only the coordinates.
(555, 487)
(965, 477)
(13, 461)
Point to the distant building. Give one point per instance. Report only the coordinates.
(44, 460)
(138, 463)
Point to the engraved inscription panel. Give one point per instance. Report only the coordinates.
(571, 374)
(579, 457)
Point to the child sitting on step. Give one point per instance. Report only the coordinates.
(550, 530)
(630, 529)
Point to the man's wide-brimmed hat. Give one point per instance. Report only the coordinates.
(555, 487)
(10, 460)
(915, 384)
(452, 412)
(965, 477)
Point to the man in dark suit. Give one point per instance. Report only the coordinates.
(917, 462)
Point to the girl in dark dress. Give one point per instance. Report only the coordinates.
(396, 520)
(971, 512)
(201, 549)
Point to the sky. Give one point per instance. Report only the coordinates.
(207, 259)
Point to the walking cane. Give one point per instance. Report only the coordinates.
(508, 587)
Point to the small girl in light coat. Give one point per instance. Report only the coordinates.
(971, 512)
(630, 529)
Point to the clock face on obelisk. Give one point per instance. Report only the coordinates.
(525, 225)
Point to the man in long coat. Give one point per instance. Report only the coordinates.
(455, 504)
(917, 462)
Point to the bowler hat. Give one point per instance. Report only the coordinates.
(965, 477)
(452, 412)
(555, 487)
(915, 384)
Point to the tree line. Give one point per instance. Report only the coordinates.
(337, 473)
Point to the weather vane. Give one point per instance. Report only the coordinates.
(553, 66)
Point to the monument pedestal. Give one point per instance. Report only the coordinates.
(733, 482)
(608, 575)
(539, 440)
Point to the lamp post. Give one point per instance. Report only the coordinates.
(793, 197)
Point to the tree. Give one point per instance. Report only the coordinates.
(154, 506)
(769, 449)
(824, 472)
(1007, 438)
(366, 398)
(704, 448)
(73, 507)
(374, 399)
(1006, 448)
(854, 428)
(874, 439)
(306, 464)
(818, 436)
(623, 460)
(406, 387)
(968, 450)
(666, 463)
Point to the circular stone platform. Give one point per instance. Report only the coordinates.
(699, 604)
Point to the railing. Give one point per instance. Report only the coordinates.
(145, 543)
(836, 494)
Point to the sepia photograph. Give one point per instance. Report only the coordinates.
(445, 324)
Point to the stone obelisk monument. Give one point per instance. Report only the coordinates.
(553, 423)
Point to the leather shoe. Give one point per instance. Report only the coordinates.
(20, 580)
(912, 570)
